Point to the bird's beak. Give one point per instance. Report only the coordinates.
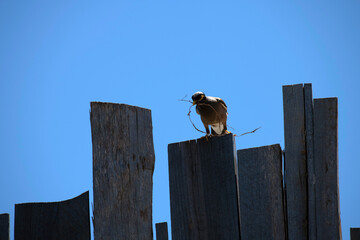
(194, 102)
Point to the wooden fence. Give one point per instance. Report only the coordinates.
(216, 191)
(299, 200)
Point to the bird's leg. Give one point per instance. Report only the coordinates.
(207, 132)
(225, 131)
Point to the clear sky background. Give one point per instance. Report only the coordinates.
(55, 58)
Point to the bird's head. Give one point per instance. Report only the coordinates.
(197, 97)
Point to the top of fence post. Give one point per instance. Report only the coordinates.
(123, 166)
(203, 189)
(295, 161)
(65, 220)
(261, 193)
(326, 168)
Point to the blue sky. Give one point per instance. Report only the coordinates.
(57, 57)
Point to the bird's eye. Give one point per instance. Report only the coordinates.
(198, 96)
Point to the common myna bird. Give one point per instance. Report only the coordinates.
(213, 111)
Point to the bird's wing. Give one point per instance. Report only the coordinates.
(197, 109)
(222, 103)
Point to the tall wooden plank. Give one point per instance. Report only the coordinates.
(354, 233)
(123, 166)
(162, 231)
(261, 193)
(54, 220)
(295, 162)
(203, 189)
(326, 168)
(188, 217)
(4, 226)
(309, 126)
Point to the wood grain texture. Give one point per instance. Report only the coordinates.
(54, 220)
(261, 193)
(162, 231)
(4, 226)
(309, 126)
(123, 166)
(203, 189)
(295, 162)
(326, 168)
(354, 233)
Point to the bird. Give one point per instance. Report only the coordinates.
(212, 111)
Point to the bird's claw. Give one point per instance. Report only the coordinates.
(207, 136)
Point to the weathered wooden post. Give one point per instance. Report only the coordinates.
(54, 220)
(203, 189)
(261, 193)
(162, 231)
(4, 226)
(311, 165)
(123, 166)
(354, 233)
(295, 162)
(326, 168)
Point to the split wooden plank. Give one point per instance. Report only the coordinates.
(66, 220)
(203, 189)
(326, 168)
(261, 193)
(309, 126)
(295, 162)
(123, 166)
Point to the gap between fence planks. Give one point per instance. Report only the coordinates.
(295, 162)
(66, 220)
(261, 193)
(203, 189)
(123, 166)
(4, 226)
(326, 168)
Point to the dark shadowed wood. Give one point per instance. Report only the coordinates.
(295, 161)
(326, 168)
(309, 126)
(203, 189)
(261, 196)
(354, 233)
(4, 226)
(54, 220)
(123, 166)
(162, 231)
